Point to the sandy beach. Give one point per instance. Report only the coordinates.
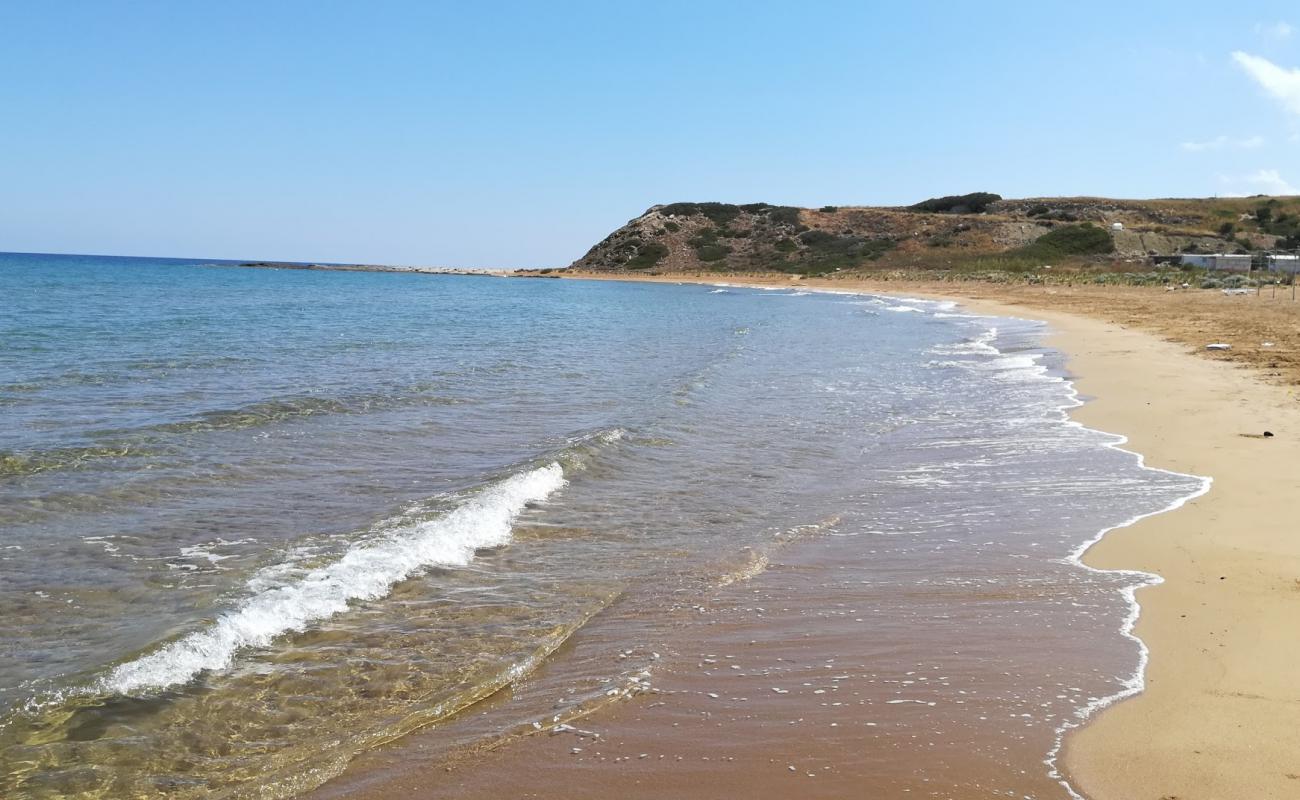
(1220, 708)
(1218, 713)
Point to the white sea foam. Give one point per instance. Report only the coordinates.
(610, 436)
(367, 571)
(206, 552)
(103, 541)
(1026, 367)
(921, 304)
(980, 345)
(1017, 368)
(1136, 682)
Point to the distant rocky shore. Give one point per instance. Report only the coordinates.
(370, 268)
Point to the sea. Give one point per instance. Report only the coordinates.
(256, 522)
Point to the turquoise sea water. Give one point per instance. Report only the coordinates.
(256, 521)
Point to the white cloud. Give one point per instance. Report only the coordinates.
(1262, 181)
(1283, 84)
(1275, 30)
(1268, 181)
(1222, 142)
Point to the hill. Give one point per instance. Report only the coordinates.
(980, 230)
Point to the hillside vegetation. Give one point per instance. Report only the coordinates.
(978, 231)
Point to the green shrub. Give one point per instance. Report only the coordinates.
(703, 237)
(875, 248)
(827, 251)
(817, 238)
(1283, 225)
(829, 209)
(1227, 229)
(628, 247)
(1068, 240)
(712, 252)
(783, 215)
(672, 227)
(1038, 210)
(786, 245)
(724, 213)
(648, 256)
(718, 213)
(974, 203)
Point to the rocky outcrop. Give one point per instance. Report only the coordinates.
(762, 237)
(692, 237)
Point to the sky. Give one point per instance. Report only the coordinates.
(499, 134)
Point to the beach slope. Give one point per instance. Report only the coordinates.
(1219, 710)
(1220, 707)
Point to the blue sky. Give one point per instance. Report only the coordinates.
(518, 134)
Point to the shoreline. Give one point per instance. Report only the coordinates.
(1186, 734)
(1215, 712)
(1136, 683)
(1216, 708)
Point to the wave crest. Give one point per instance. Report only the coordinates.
(367, 571)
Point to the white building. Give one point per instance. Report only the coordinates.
(1284, 263)
(1217, 261)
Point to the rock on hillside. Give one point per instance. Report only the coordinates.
(690, 237)
(763, 237)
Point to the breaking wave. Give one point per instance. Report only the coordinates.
(367, 571)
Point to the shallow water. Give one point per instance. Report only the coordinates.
(256, 522)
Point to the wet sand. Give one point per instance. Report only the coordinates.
(1220, 713)
(1221, 708)
(789, 684)
(1218, 716)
